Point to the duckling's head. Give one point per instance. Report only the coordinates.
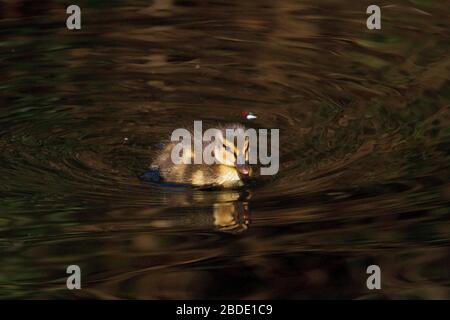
(233, 150)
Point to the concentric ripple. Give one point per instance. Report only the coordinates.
(364, 121)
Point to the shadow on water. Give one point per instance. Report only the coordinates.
(364, 138)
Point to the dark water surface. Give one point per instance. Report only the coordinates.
(364, 130)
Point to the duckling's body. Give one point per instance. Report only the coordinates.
(224, 174)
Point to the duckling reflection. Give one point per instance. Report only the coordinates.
(225, 210)
(229, 211)
(231, 217)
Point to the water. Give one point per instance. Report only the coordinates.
(364, 131)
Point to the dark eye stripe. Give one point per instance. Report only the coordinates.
(226, 147)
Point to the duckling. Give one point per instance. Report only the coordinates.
(224, 172)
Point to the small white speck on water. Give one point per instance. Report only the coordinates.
(197, 66)
(250, 116)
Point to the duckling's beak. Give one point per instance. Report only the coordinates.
(244, 169)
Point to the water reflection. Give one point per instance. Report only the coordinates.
(222, 210)
(363, 119)
(231, 216)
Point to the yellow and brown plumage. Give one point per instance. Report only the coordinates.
(227, 173)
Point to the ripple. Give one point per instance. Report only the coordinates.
(363, 119)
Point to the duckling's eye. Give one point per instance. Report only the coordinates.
(226, 147)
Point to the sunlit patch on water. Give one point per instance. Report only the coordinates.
(364, 137)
